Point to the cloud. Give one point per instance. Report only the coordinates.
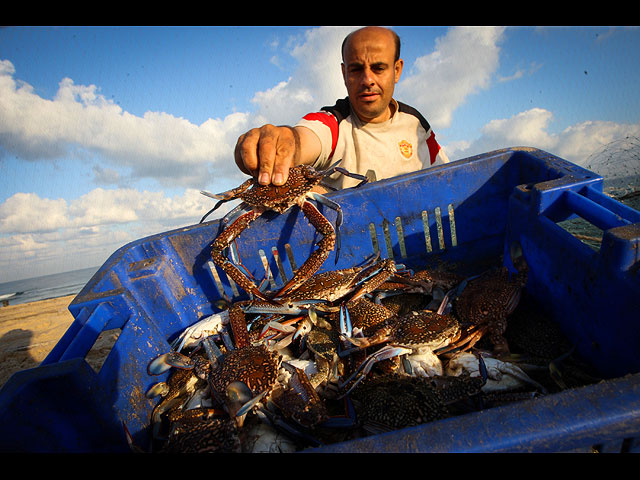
(462, 64)
(79, 119)
(575, 143)
(520, 73)
(85, 231)
(316, 82)
(29, 213)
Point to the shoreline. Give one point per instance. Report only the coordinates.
(29, 331)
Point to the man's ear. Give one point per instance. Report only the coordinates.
(398, 68)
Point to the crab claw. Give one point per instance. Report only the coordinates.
(169, 360)
(238, 400)
(278, 326)
(365, 367)
(303, 329)
(346, 328)
(244, 408)
(158, 389)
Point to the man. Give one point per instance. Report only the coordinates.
(369, 131)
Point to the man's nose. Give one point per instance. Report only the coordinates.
(368, 77)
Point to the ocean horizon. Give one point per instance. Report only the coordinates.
(44, 287)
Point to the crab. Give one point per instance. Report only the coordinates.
(203, 434)
(258, 199)
(428, 289)
(415, 335)
(324, 345)
(487, 300)
(367, 316)
(390, 402)
(254, 366)
(345, 285)
(184, 382)
(298, 400)
(238, 377)
(501, 376)
(331, 291)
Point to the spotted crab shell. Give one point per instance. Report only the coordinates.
(254, 365)
(301, 179)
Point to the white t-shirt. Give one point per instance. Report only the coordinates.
(405, 143)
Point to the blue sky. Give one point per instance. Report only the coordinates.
(107, 134)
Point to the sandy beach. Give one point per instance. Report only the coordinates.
(28, 332)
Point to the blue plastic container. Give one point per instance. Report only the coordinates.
(471, 213)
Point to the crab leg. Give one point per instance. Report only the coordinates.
(238, 326)
(374, 276)
(331, 204)
(223, 240)
(365, 367)
(317, 258)
(224, 197)
(472, 336)
(335, 168)
(194, 334)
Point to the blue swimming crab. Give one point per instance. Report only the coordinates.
(203, 434)
(390, 402)
(487, 300)
(258, 199)
(331, 291)
(414, 336)
(299, 400)
(181, 385)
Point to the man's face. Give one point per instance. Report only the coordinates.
(370, 73)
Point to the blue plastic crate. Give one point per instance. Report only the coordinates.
(470, 213)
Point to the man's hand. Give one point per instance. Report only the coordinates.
(268, 152)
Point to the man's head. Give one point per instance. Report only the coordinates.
(371, 67)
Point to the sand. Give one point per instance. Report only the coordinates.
(28, 333)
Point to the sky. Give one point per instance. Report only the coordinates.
(108, 134)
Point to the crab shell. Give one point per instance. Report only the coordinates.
(488, 300)
(392, 402)
(300, 401)
(368, 316)
(254, 365)
(207, 435)
(416, 330)
(302, 178)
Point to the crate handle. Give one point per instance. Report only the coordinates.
(88, 334)
(600, 210)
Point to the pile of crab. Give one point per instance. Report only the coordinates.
(341, 354)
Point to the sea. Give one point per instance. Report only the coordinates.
(44, 287)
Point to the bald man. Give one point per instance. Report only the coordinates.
(369, 131)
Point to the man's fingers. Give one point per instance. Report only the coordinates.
(267, 153)
(286, 149)
(246, 152)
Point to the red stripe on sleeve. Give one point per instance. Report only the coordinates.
(330, 121)
(434, 147)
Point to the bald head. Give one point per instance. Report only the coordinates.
(368, 32)
(371, 67)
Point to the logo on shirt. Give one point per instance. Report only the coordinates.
(406, 149)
